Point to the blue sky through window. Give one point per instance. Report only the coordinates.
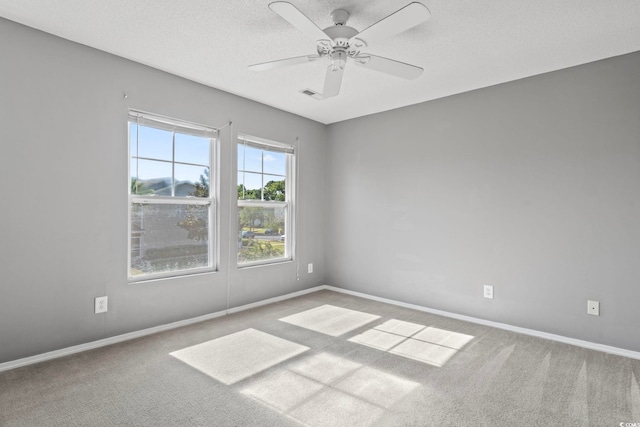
(255, 164)
(154, 149)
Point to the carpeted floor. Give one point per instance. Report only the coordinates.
(327, 359)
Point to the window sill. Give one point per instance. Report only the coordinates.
(264, 263)
(178, 275)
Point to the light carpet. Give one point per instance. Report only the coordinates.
(327, 359)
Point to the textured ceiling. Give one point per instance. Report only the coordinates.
(465, 45)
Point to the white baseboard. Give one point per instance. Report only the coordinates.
(149, 331)
(104, 342)
(559, 338)
(144, 332)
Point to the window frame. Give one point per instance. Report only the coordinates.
(288, 204)
(182, 127)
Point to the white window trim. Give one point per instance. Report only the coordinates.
(176, 125)
(290, 192)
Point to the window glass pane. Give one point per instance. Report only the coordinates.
(252, 159)
(191, 181)
(261, 233)
(151, 177)
(249, 185)
(154, 143)
(133, 175)
(133, 139)
(241, 187)
(141, 188)
(240, 157)
(192, 149)
(274, 188)
(262, 175)
(166, 238)
(275, 163)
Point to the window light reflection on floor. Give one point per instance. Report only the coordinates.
(349, 394)
(334, 407)
(417, 342)
(323, 367)
(235, 357)
(425, 352)
(443, 337)
(330, 320)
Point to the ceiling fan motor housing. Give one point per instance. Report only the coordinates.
(339, 17)
(340, 36)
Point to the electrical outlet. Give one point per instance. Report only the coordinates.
(488, 291)
(310, 268)
(593, 308)
(101, 305)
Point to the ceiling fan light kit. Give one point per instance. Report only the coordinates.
(339, 43)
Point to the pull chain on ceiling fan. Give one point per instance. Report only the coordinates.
(339, 42)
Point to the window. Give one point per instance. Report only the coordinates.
(265, 197)
(171, 197)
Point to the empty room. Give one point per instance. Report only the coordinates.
(302, 213)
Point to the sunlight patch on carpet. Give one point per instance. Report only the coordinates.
(425, 352)
(400, 327)
(333, 407)
(330, 320)
(376, 386)
(378, 339)
(414, 341)
(325, 389)
(323, 367)
(282, 390)
(443, 337)
(235, 357)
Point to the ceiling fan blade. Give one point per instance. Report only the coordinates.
(399, 21)
(332, 82)
(284, 62)
(298, 19)
(389, 66)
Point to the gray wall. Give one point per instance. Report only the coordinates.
(63, 190)
(531, 186)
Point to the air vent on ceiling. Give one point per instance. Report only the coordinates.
(314, 95)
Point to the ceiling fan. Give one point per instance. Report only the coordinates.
(339, 42)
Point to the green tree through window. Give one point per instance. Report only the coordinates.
(171, 205)
(264, 201)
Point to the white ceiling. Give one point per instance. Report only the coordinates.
(466, 45)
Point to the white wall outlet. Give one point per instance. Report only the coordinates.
(310, 268)
(101, 305)
(488, 291)
(593, 308)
